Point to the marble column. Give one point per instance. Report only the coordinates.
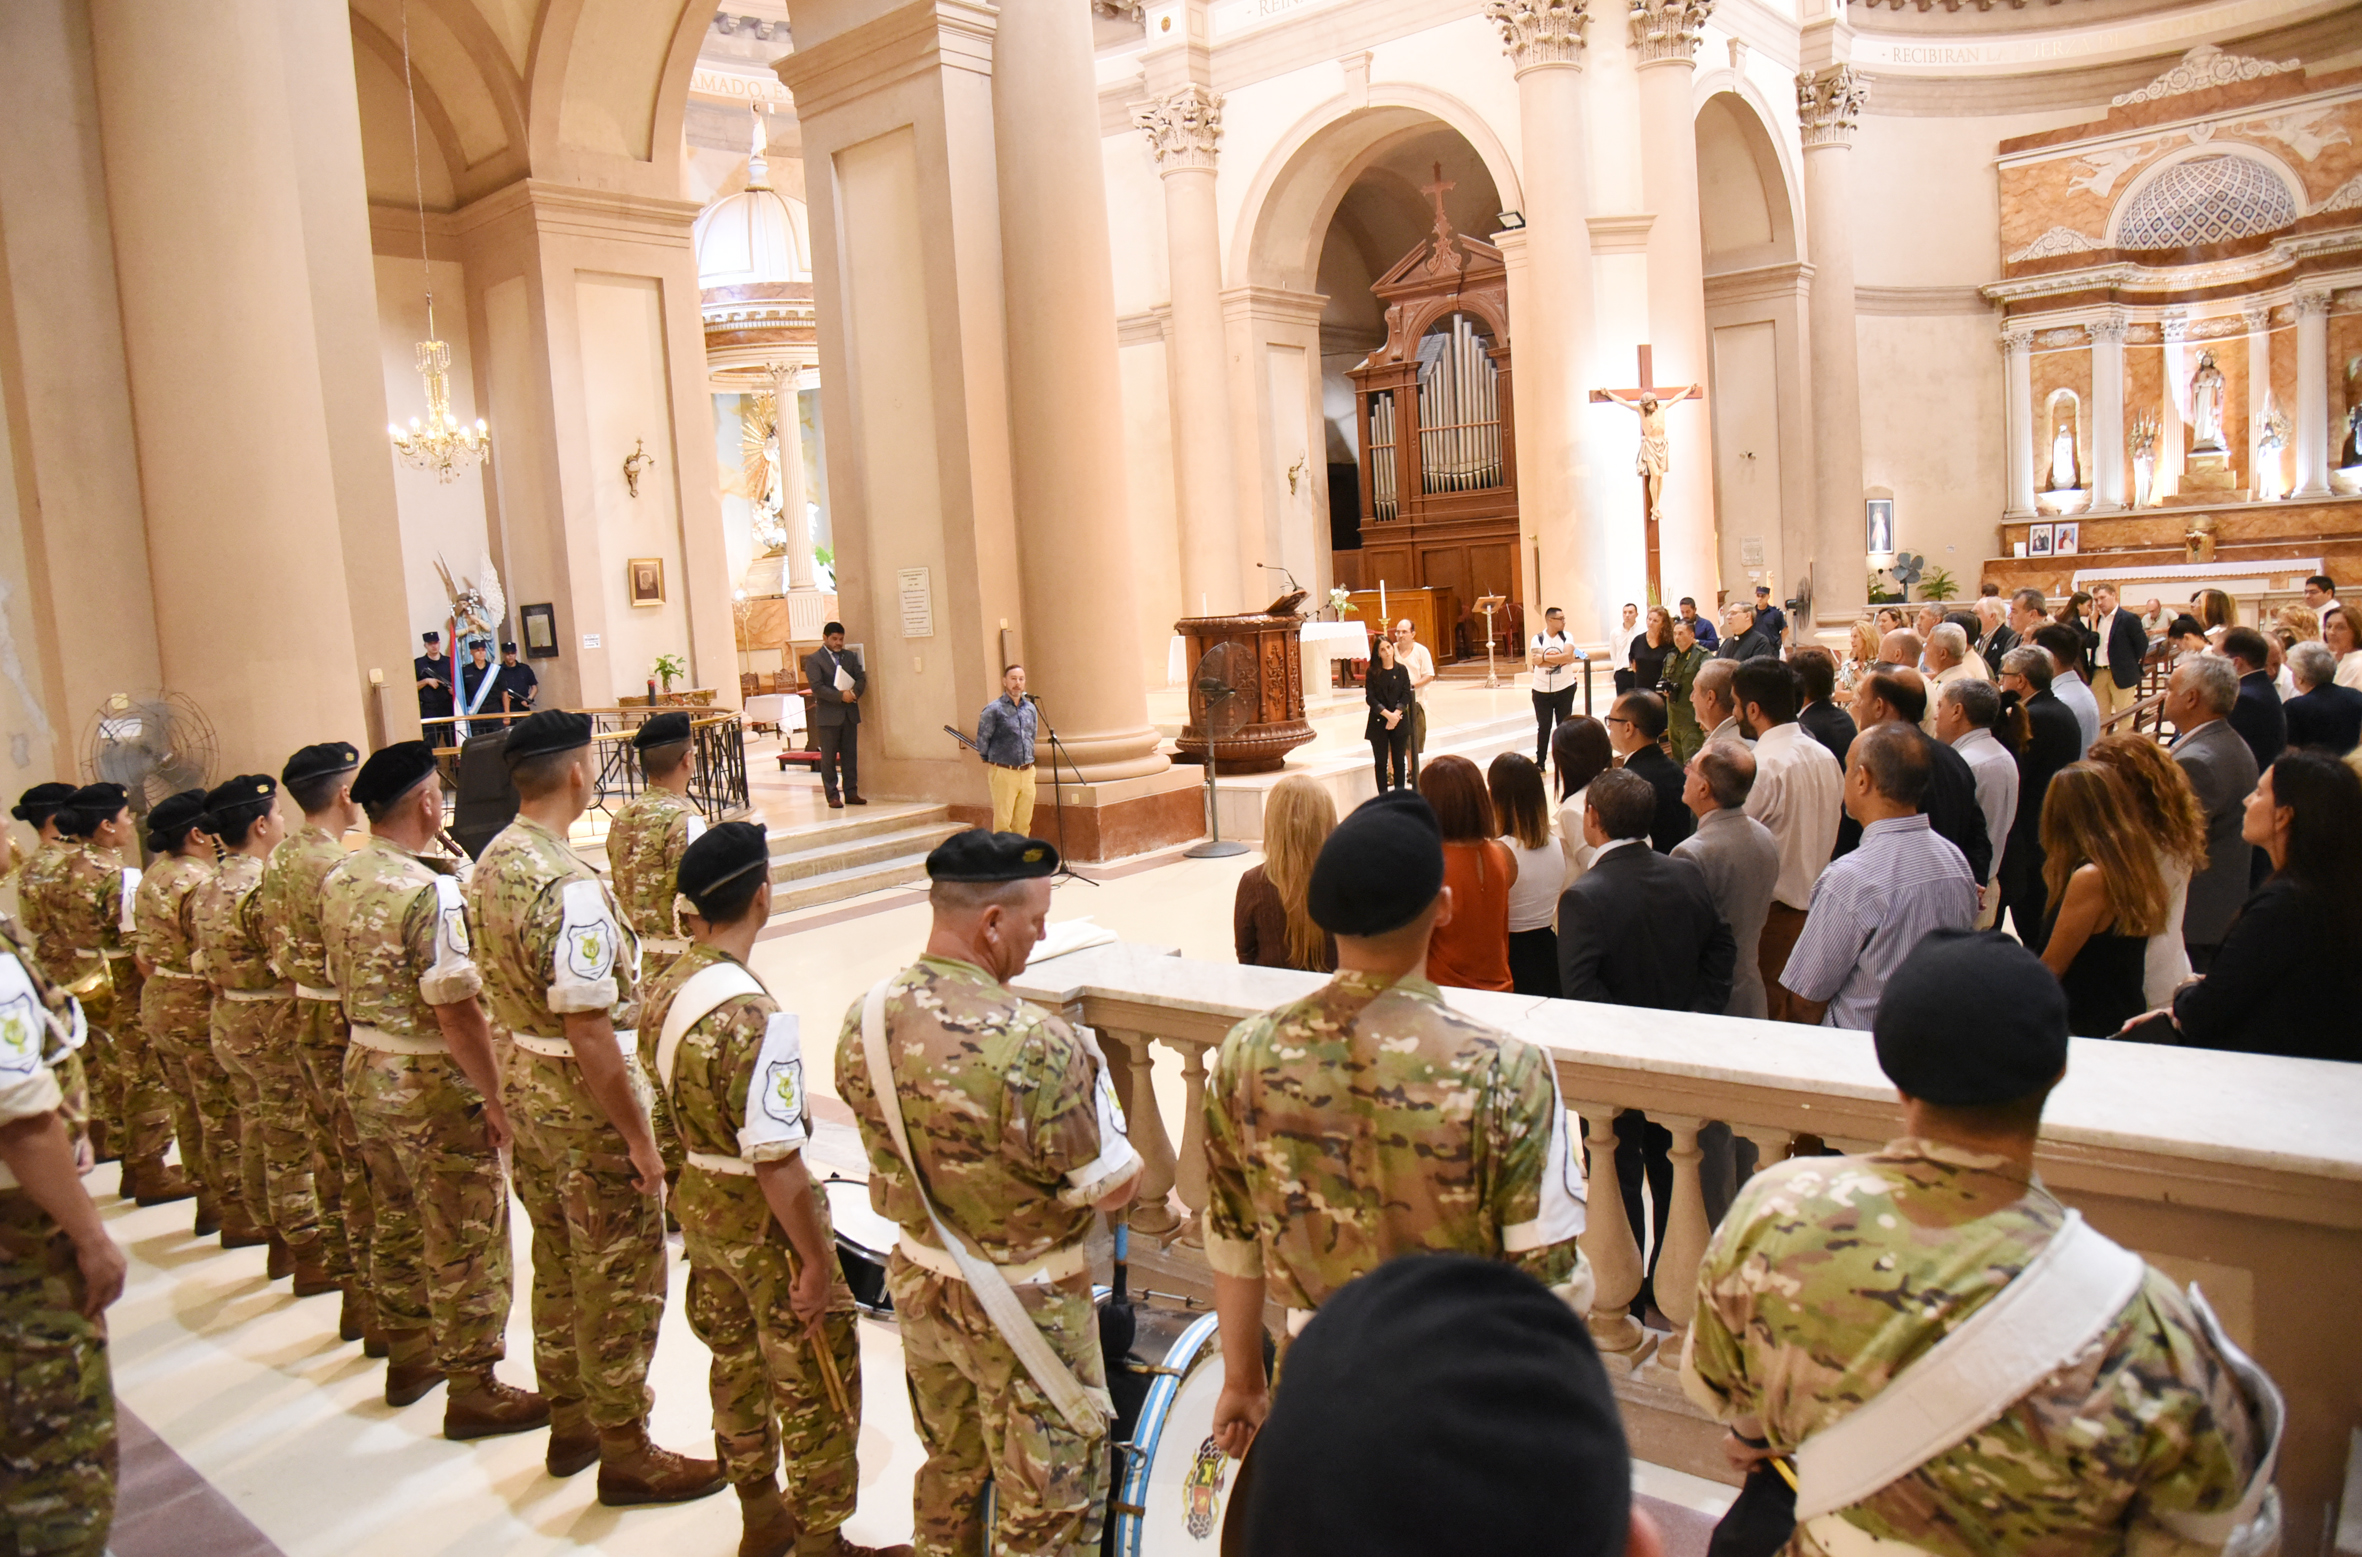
(2173, 435)
(2017, 399)
(1066, 435)
(2261, 479)
(1544, 41)
(1184, 129)
(1828, 104)
(2312, 394)
(1664, 40)
(2107, 421)
(787, 385)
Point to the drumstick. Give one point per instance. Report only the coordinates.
(830, 1378)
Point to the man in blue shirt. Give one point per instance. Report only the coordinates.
(1005, 732)
(1770, 620)
(1698, 625)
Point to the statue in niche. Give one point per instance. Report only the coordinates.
(2062, 456)
(2144, 457)
(2206, 407)
(2198, 539)
(2351, 454)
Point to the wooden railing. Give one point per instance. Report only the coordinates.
(2242, 1172)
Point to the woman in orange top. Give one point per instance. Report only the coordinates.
(1471, 949)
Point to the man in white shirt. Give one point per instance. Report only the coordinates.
(1945, 661)
(1965, 715)
(1621, 649)
(1412, 656)
(1798, 794)
(1553, 656)
(2124, 644)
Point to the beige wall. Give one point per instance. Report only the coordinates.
(621, 319)
(439, 519)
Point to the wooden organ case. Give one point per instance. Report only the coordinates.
(1438, 441)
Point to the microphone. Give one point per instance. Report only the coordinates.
(1030, 698)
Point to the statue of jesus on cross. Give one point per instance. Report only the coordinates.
(1650, 401)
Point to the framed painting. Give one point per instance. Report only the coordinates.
(541, 631)
(2039, 538)
(646, 576)
(2068, 540)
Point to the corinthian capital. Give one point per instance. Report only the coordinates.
(1828, 101)
(1184, 127)
(1540, 32)
(1668, 29)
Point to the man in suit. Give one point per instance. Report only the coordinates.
(1742, 639)
(2322, 714)
(1816, 684)
(1949, 798)
(838, 683)
(2064, 645)
(1635, 724)
(1995, 637)
(1710, 697)
(2053, 740)
(1639, 930)
(1738, 857)
(2124, 643)
(2222, 770)
(2257, 714)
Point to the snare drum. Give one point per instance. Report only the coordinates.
(1176, 1484)
(864, 1239)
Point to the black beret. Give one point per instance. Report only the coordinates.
(430, 637)
(719, 855)
(173, 816)
(392, 772)
(246, 792)
(320, 761)
(1465, 1390)
(102, 799)
(665, 729)
(41, 802)
(980, 855)
(1969, 1018)
(550, 730)
(1380, 869)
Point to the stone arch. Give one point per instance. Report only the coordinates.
(1294, 194)
(2165, 167)
(470, 95)
(1735, 131)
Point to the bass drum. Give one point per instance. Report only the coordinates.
(864, 1239)
(1175, 1484)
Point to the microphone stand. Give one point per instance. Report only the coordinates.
(1057, 791)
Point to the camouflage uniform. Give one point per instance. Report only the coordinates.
(395, 938)
(1369, 1120)
(767, 1390)
(57, 1437)
(253, 1038)
(548, 941)
(40, 903)
(92, 909)
(644, 848)
(176, 1009)
(1831, 1273)
(1017, 1132)
(290, 901)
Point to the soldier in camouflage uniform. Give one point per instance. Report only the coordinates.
(316, 779)
(424, 1090)
(765, 1290)
(1019, 1141)
(1830, 1274)
(1369, 1120)
(58, 1272)
(644, 848)
(560, 973)
(91, 903)
(253, 1030)
(39, 885)
(37, 808)
(176, 1010)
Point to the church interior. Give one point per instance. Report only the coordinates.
(1003, 334)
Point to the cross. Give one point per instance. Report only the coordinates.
(1652, 443)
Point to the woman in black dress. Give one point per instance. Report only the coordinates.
(1651, 647)
(1388, 692)
(2102, 875)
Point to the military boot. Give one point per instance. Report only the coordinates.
(281, 1260)
(102, 1141)
(309, 1262)
(155, 1183)
(410, 1369)
(241, 1231)
(481, 1406)
(770, 1530)
(634, 1471)
(208, 1216)
(573, 1442)
(357, 1316)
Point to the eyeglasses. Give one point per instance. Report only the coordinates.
(1612, 719)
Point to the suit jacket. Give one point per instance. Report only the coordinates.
(2282, 983)
(2053, 740)
(2127, 646)
(1673, 820)
(1741, 863)
(1996, 643)
(2259, 719)
(1747, 645)
(1638, 929)
(2222, 772)
(2329, 716)
(820, 673)
(1832, 726)
(1950, 806)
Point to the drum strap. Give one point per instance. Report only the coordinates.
(705, 989)
(1086, 1409)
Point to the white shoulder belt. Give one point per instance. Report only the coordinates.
(704, 990)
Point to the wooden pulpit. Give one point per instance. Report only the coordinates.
(1274, 687)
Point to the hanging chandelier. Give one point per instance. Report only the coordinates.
(439, 442)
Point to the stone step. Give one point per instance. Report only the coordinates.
(837, 856)
(857, 823)
(834, 886)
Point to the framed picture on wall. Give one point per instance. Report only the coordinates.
(647, 580)
(541, 631)
(1879, 514)
(2039, 538)
(2069, 539)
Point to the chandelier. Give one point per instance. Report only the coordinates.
(439, 443)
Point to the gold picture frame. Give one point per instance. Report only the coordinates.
(644, 577)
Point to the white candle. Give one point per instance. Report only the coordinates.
(1383, 623)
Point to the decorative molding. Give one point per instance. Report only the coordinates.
(2346, 197)
(1152, 327)
(2311, 305)
(2054, 340)
(1620, 234)
(1667, 31)
(709, 82)
(898, 46)
(2017, 342)
(1184, 127)
(1829, 102)
(1535, 33)
(2108, 332)
(2203, 67)
(2057, 241)
(1910, 302)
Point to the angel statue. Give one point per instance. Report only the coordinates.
(477, 610)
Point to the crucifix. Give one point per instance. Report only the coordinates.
(1650, 400)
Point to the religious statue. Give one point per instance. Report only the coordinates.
(2351, 454)
(2144, 457)
(2206, 406)
(1655, 449)
(2198, 539)
(633, 463)
(2062, 457)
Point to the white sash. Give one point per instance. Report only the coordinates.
(1087, 1410)
(704, 990)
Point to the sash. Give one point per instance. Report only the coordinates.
(704, 990)
(1087, 1410)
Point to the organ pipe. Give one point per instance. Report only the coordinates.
(1459, 414)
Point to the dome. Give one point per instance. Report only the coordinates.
(754, 237)
(2205, 200)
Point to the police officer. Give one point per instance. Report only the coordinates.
(766, 1294)
(1369, 1120)
(516, 686)
(561, 974)
(58, 1272)
(423, 1090)
(644, 848)
(176, 1009)
(1015, 1138)
(319, 780)
(433, 672)
(1831, 1278)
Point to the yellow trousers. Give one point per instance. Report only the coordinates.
(2112, 698)
(1012, 799)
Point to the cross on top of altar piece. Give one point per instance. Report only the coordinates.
(1649, 402)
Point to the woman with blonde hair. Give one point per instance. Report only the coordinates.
(2167, 813)
(1271, 920)
(2101, 871)
(2302, 621)
(2214, 609)
(1861, 657)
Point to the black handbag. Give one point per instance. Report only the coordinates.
(1760, 1519)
